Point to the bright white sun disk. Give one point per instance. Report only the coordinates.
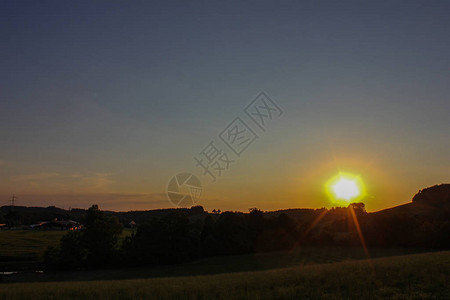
(346, 189)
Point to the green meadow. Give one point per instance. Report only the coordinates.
(416, 276)
(21, 249)
(27, 244)
(31, 243)
(306, 273)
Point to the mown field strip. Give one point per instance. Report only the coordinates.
(418, 276)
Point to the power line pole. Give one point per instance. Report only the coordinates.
(13, 200)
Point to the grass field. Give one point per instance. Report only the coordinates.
(21, 249)
(27, 244)
(307, 273)
(216, 265)
(417, 276)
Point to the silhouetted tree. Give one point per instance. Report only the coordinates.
(94, 245)
(100, 238)
(170, 239)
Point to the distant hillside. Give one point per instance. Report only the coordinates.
(424, 222)
(430, 202)
(438, 195)
(166, 236)
(22, 215)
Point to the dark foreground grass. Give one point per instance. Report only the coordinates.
(299, 256)
(418, 276)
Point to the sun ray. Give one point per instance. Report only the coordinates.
(303, 237)
(363, 242)
(358, 230)
(314, 223)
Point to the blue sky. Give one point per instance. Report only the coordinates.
(110, 98)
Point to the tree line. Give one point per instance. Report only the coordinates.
(178, 237)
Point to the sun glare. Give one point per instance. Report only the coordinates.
(345, 188)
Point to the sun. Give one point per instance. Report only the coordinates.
(344, 188)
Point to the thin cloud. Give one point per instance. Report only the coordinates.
(53, 182)
(35, 177)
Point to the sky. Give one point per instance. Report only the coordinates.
(103, 102)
